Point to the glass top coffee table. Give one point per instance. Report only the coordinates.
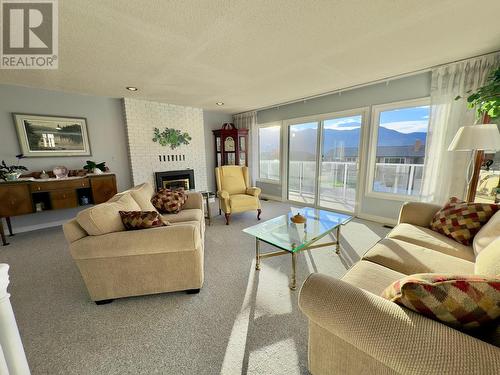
(293, 238)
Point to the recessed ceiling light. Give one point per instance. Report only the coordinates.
(131, 88)
(220, 103)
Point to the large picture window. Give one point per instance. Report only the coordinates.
(269, 153)
(399, 135)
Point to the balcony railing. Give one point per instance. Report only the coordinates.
(338, 180)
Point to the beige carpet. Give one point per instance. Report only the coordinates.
(242, 322)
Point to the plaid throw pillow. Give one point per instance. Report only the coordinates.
(169, 201)
(142, 219)
(459, 301)
(461, 221)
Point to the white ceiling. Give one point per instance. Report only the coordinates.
(251, 54)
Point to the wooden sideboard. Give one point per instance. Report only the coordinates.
(31, 196)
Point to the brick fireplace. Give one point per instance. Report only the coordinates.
(150, 160)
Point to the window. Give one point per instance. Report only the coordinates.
(269, 152)
(400, 131)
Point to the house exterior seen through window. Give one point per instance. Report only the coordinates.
(401, 135)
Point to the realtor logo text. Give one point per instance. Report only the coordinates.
(29, 34)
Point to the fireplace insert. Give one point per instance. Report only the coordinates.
(175, 179)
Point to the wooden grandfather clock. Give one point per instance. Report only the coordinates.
(231, 146)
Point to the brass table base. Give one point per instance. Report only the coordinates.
(293, 281)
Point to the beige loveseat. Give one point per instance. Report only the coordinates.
(116, 263)
(352, 330)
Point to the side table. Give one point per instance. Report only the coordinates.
(207, 195)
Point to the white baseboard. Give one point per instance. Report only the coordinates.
(378, 219)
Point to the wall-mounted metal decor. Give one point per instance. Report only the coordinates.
(171, 137)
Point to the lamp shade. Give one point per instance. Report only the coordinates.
(476, 137)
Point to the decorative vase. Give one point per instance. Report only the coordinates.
(97, 171)
(60, 172)
(298, 219)
(12, 176)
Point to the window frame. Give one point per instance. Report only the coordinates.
(373, 141)
(280, 169)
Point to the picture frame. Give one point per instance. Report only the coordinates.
(48, 136)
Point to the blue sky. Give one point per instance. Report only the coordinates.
(406, 120)
(403, 120)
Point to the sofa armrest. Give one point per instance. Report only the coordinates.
(174, 238)
(222, 194)
(73, 231)
(255, 191)
(418, 213)
(403, 340)
(195, 200)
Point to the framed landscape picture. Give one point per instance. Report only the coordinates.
(43, 136)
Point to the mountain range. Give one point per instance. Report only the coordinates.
(304, 141)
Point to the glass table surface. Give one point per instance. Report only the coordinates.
(284, 234)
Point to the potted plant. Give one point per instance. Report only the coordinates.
(486, 99)
(93, 167)
(11, 172)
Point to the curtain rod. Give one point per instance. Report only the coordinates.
(348, 88)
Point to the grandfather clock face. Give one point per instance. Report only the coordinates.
(229, 144)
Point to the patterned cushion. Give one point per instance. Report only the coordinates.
(169, 201)
(461, 221)
(142, 219)
(459, 301)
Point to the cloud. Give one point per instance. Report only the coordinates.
(406, 126)
(345, 123)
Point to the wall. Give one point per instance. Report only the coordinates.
(142, 117)
(212, 121)
(416, 86)
(106, 129)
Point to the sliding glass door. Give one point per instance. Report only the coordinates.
(339, 163)
(323, 162)
(302, 156)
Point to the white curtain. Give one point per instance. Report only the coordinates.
(245, 120)
(445, 171)
(248, 120)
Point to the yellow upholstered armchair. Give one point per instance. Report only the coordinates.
(234, 192)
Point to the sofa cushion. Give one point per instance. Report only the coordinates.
(371, 277)
(105, 218)
(142, 195)
(461, 221)
(159, 240)
(459, 301)
(190, 214)
(134, 220)
(169, 201)
(487, 234)
(409, 258)
(488, 260)
(426, 237)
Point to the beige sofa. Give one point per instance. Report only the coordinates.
(116, 263)
(352, 330)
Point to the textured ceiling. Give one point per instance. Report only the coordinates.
(250, 54)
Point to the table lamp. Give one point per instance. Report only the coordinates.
(476, 139)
